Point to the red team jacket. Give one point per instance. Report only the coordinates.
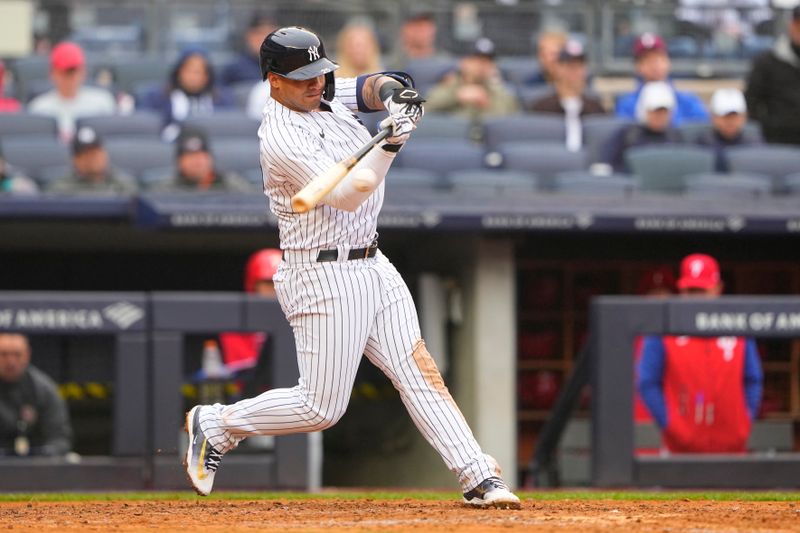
(704, 385)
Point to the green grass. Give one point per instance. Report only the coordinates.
(382, 495)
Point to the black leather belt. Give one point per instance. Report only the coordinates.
(355, 253)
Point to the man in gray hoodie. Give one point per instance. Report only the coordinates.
(773, 87)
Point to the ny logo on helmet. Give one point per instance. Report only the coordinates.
(313, 53)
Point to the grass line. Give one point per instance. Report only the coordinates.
(755, 496)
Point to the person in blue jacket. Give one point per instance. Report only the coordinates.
(190, 91)
(653, 64)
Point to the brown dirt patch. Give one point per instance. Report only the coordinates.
(401, 515)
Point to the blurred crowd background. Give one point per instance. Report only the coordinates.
(555, 94)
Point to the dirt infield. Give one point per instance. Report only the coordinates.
(399, 515)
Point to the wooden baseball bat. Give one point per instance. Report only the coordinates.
(319, 187)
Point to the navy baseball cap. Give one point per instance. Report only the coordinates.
(85, 138)
(191, 141)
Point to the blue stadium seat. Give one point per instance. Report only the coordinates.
(792, 183)
(413, 185)
(137, 155)
(664, 168)
(532, 127)
(371, 120)
(517, 69)
(716, 185)
(579, 182)
(236, 154)
(773, 160)
(692, 131)
(440, 155)
(225, 124)
(144, 124)
(544, 159)
(26, 69)
(13, 124)
(528, 95)
(152, 177)
(487, 182)
(33, 155)
(427, 72)
(443, 126)
(130, 72)
(597, 131)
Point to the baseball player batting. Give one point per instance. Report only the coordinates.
(341, 295)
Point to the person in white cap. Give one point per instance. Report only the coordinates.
(654, 116)
(728, 117)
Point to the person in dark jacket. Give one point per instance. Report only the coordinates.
(654, 114)
(195, 170)
(246, 67)
(773, 87)
(728, 117)
(191, 91)
(569, 97)
(33, 417)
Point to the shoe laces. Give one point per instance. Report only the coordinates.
(213, 457)
(493, 483)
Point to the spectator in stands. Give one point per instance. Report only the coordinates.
(654, 110)
(357, 51)
(476, 89)
(12, 182)
(195, 171)
(653, 64)
(91, 172)
(33, 417)
(417, 40)
(7, 105)
(728, 117)
(548, 47)
(773, 87)
(191, 91)
(703, 392)
(70, 99)
(246, 67)
(569, 97)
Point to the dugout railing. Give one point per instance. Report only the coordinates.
(615, 322)
(149, 332)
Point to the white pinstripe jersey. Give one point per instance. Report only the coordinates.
(295, 147)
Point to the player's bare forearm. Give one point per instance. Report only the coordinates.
(371, 90)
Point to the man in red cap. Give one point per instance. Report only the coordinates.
(703, 392)
(653, 64)
(70, 99)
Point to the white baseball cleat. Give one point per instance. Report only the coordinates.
(492, 492)
(201, 459)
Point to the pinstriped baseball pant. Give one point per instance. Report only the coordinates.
(339, 311)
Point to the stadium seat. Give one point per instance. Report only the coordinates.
(664, 168)
(225, 124)
(532, 127)
(153, 177)
(241, 93)
(717, 185)
(144, 124)
(50, 174)
(26, 69)
(130, 72)
(33, 155)
(137, 155)
(579, 182)
(440, 155)
(236, 154)
(544, 159)
(692, 131)
(427, 72)
(413, 185)
(487, 182)
(773, 160)
(597, 131)
(371, 120)
(27, 124)
(528, 95)
(443, 126)
(517, 69)
(792, 183)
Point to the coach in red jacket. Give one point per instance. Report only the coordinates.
(703, 392)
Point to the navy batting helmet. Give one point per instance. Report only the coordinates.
(298, 54)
